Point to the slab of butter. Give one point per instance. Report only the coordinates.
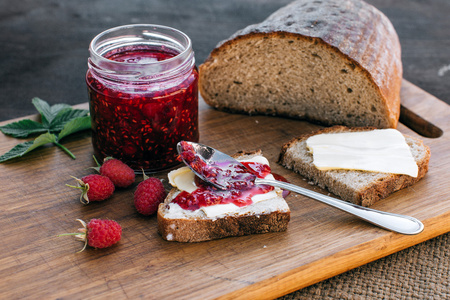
(380, 150)
(184, 179)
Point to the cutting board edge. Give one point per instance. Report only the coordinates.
(300, 277)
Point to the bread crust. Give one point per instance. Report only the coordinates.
(382, 187)
(199, 230)
(352, 29)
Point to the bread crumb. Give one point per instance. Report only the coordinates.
(264, 246)
(169, 237)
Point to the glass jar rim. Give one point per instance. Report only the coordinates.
(134, 34)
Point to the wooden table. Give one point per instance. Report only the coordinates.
(321, 242)
(46, 57)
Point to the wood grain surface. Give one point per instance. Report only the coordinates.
(320, 242)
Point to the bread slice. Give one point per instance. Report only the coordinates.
(359, 187)
(336, 62)
(177, 224)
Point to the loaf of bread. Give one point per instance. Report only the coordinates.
(177, 224)
(327, 61)
(359, 187)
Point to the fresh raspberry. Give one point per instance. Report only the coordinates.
(120, 173)
(148, 195)
(98, 233)
(94, 188)
(103, 233)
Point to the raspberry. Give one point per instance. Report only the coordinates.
(103, 233)
(98, 233)
(94, 188)
(120, 173)
(148, 195)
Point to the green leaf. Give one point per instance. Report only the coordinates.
(48, 113)
(23, 128)
(59, 119)
(41, 140)
(23, 148)
(75, 125)
(16, 151)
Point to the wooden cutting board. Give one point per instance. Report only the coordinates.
(320, 242)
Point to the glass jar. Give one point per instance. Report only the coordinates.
(143, 91)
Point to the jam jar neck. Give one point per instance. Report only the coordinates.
(141, 37)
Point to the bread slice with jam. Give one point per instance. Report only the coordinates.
(176, 223)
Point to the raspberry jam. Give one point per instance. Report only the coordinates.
(241, 187)
(143, 96)
(207, 195)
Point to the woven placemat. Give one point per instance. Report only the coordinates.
(418, 272)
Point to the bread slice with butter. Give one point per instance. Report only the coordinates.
(183, 225)
(356, 186)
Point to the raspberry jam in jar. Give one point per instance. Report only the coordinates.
(143, 91)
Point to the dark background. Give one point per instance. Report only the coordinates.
(44, 43)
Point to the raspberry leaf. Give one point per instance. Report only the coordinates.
(16, 151)
(23, 148)
(64, 117)
(58, 121)
(75, 125)
(23, 128)
(48, 113)
(41, 140)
